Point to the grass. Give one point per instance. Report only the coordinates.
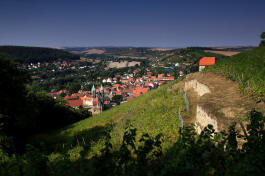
(247, 69)
(153, 113)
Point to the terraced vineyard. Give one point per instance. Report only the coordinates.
(247, 69)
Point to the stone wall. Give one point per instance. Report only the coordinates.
(202, 118)
(201, 89)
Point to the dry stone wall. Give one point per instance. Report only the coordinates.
(202, 118)
(201, 89)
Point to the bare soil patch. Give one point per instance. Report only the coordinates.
(226, 53)
(133, 57)
(122, 64)
(160, 49)
(94, 51)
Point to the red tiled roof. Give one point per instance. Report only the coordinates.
(67, 97)
(35, 77)
(86, 98)
(140, 90)
(82, 92)
(116, 85)
(153, 78)
(73, 96)
(207, 61)
(160, 75)
(167, 78)
(74, 103)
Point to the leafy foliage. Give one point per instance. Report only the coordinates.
(117, 99)
(262, 42)
(24, 113)
(209, 153)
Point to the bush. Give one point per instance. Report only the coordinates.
(209, 153)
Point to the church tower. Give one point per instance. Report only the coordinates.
(102, 90)
(93, 91)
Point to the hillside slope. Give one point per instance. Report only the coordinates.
(247, 69)
(25, 54)
(214, 99)
(153, 113)
(157, 111)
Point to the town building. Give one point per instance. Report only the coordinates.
(206, 61)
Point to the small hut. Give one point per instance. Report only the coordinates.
(206, 61)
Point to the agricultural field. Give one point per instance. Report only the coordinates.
(93, 51)
(226, 53)
(122, 64)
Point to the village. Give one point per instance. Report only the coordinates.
(128, 87)
(101, 98)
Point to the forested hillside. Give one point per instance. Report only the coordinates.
(24, 54)
(24, 113)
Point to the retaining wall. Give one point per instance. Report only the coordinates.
(202, 118)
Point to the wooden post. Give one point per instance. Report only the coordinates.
(77, 141)
(244, 130)
(84, 141)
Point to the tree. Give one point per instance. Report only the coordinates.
(262, 35)
(13, 94)
(117, 99)
(262, 42)
(23, 112)
(74, 87)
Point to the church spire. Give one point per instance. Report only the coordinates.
(93, 91)
(93, 88)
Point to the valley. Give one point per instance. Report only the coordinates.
(217, 99)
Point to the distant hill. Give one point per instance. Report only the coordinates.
(120, 52)
(23, 54)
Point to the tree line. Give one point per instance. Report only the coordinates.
(24, 113)
(24, 54)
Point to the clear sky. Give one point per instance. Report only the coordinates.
(150, 23)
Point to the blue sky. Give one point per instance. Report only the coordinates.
(149, 23)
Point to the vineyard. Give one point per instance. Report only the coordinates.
(247, 69)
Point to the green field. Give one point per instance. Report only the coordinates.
(153, 113)
(247, 69)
